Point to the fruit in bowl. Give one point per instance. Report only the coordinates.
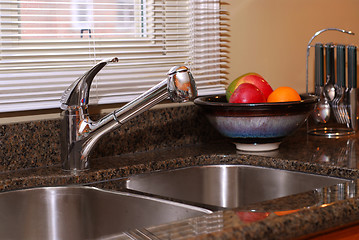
(284, 94)
(249, 78)
(252, 87)
(247, 93)
(258, 126)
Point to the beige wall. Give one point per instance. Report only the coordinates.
(270, 36)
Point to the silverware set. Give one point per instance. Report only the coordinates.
(338, 96)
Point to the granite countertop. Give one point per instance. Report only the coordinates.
(285, 218)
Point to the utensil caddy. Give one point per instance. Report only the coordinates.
(335, 80)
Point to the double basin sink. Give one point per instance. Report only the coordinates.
(83, 212)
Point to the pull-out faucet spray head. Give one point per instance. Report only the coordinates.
(181, 85)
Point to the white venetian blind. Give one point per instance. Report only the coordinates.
(46, 45)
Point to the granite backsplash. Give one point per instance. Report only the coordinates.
(37, 144)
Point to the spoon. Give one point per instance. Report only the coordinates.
(321, 113)
(329, 89)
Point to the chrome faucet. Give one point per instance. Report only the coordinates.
(79, 133)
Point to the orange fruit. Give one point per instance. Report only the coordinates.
(284, 94)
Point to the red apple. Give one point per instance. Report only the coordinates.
(247, 93)
(253, 78)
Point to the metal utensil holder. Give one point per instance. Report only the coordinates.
(336, 112)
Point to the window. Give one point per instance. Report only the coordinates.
(46, 45)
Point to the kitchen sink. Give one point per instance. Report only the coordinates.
(83, 213)
(228, 186)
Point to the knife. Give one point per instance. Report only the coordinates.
(352, 66)
(329, 90)
(352, 86)
(330, 69)
(341, 66)
(319, 68)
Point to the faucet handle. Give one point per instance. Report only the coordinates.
(77, 94)
(180, 84)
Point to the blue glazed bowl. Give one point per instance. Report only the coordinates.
(259, 126)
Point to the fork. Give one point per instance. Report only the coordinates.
(340, 108)
(344, 107)
(335, 103)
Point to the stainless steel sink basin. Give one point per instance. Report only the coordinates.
(82, 213)
(228, 186)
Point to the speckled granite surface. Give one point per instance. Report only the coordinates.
(180, 137)
(36, 144)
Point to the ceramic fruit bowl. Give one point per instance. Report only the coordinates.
(259, 126)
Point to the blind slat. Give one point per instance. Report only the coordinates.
(46, 45)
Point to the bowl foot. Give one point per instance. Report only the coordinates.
(257, 147)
